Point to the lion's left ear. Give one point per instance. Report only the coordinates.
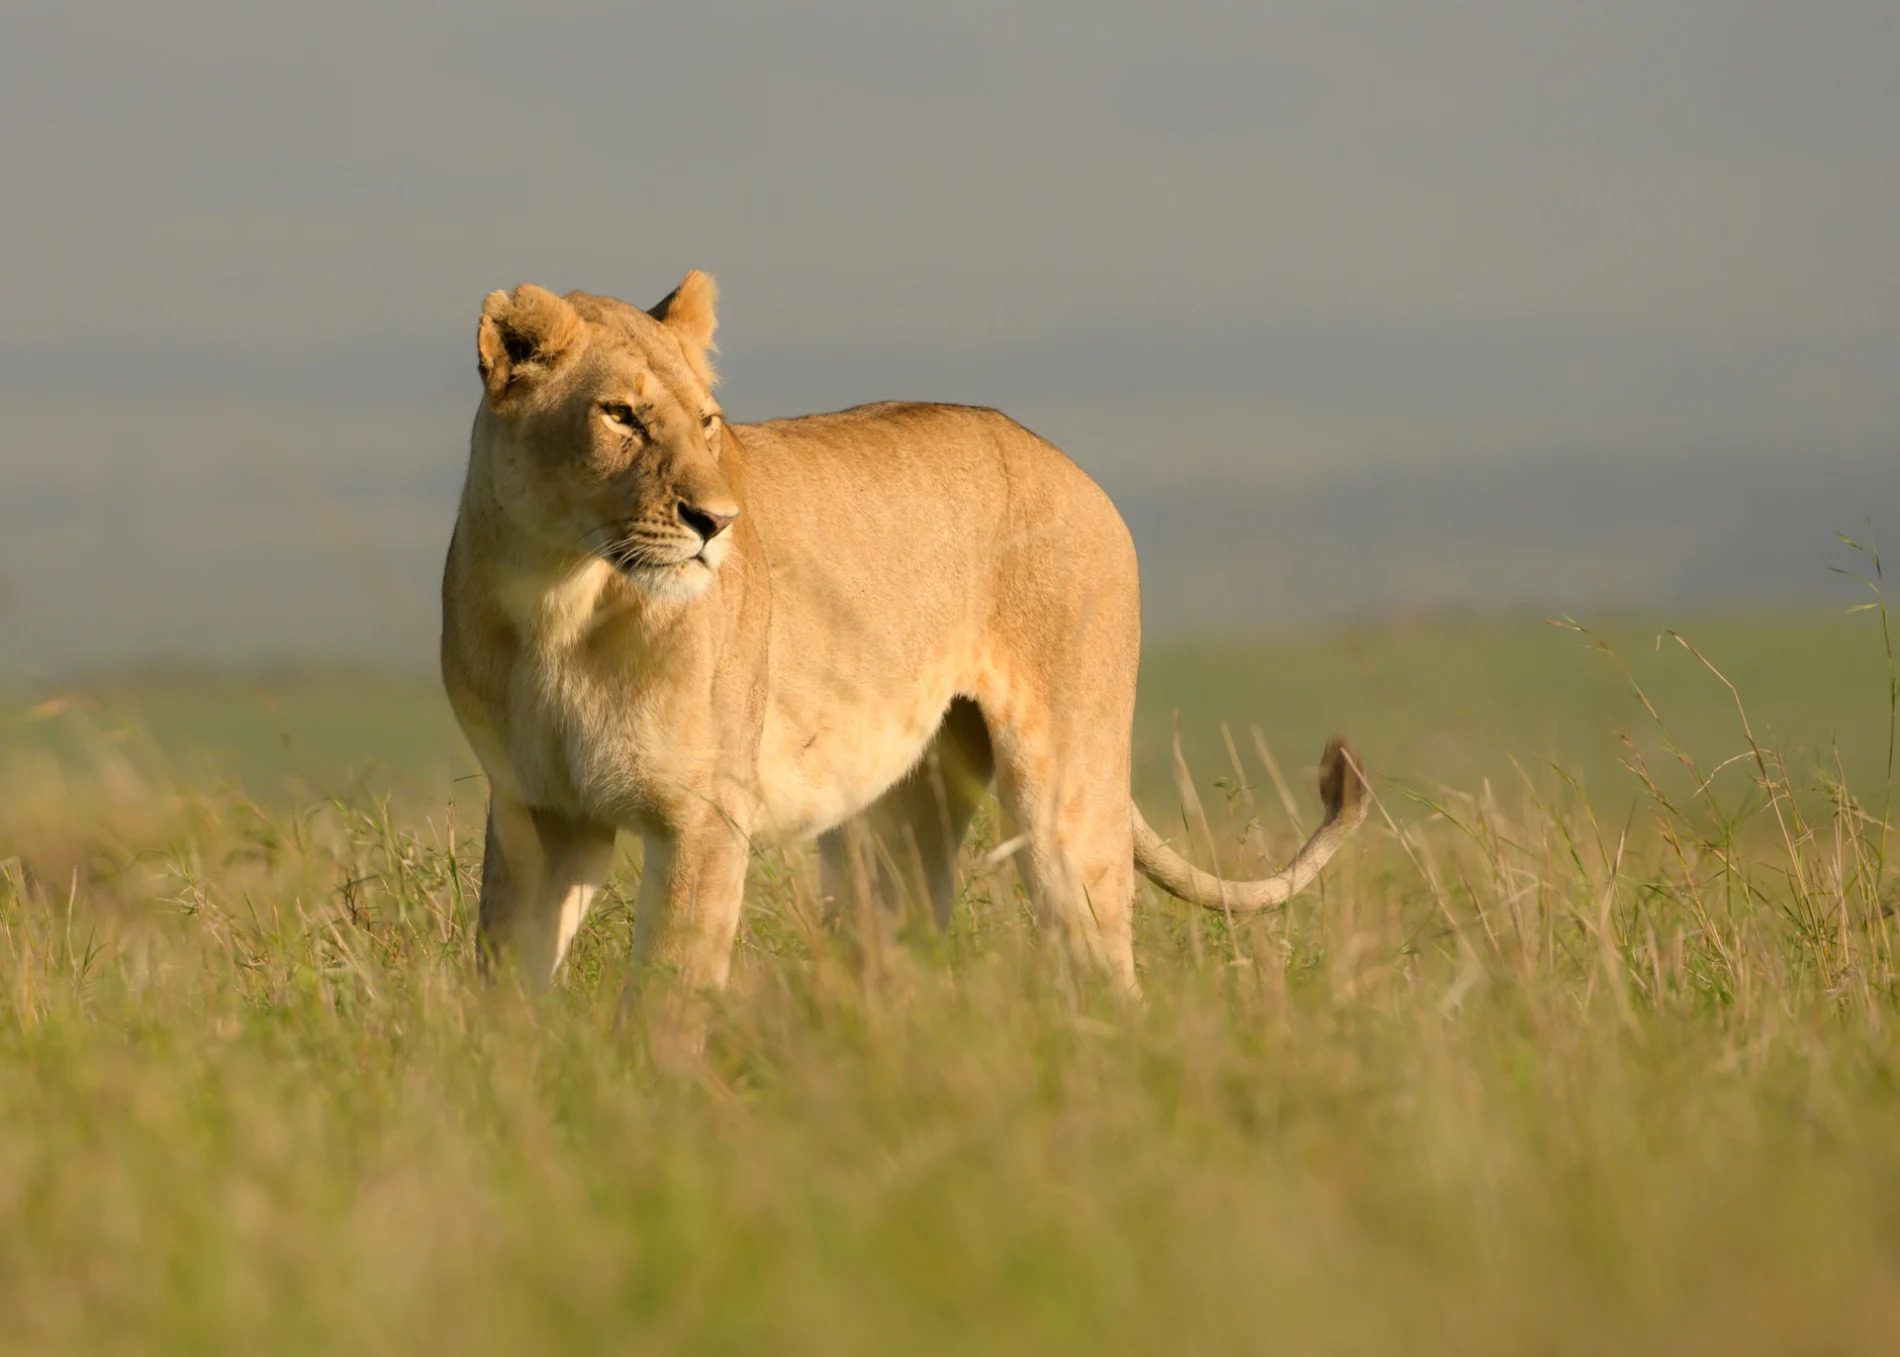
(688, 312)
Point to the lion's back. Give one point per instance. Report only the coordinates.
(920, 519)
(965, 466)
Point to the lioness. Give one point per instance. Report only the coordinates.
(710, 633)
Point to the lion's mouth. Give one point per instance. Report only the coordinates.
(638, 572)
(657, 564)
(633, 558)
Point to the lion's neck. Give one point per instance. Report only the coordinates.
(557, 602)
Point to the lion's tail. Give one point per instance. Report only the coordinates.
(1342, 787)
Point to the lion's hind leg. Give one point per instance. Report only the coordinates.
(1060, 729)
(1077, 860)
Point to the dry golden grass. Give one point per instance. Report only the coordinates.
(1515, 1080)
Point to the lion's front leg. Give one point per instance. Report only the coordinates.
(692, 888)
(540, 873)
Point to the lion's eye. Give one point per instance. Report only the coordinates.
(709, 422)
(623, 417)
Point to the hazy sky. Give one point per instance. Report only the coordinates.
(1541, 304)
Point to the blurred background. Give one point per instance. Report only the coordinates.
(1361, 311)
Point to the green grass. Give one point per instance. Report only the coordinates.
(1599, 1065)
(1432, 705)
(1458, 705)
(274, 735)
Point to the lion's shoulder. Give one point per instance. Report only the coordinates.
(898, 417)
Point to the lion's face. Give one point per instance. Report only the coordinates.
(605, 436)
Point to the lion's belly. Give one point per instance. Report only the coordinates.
(821, 763)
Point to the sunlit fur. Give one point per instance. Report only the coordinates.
(909, 600)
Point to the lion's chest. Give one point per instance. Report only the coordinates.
(607, 750)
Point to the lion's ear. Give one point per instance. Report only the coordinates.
(522, 336)
(688, 312)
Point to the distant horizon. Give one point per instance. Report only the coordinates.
(1353, 309)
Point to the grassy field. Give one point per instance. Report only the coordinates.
(1565, 1056)
(1432, 705)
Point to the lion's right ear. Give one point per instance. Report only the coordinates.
(522, 337)
(689, 312)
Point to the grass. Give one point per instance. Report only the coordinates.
(1588, 1060)
(1452, 705)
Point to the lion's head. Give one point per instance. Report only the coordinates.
(602, 432)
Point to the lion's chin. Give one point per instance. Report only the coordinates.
(676, 582)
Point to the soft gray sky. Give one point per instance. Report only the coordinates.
(1395, 306)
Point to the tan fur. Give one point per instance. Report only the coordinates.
(909, 600)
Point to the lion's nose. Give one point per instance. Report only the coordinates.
(708, 523)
